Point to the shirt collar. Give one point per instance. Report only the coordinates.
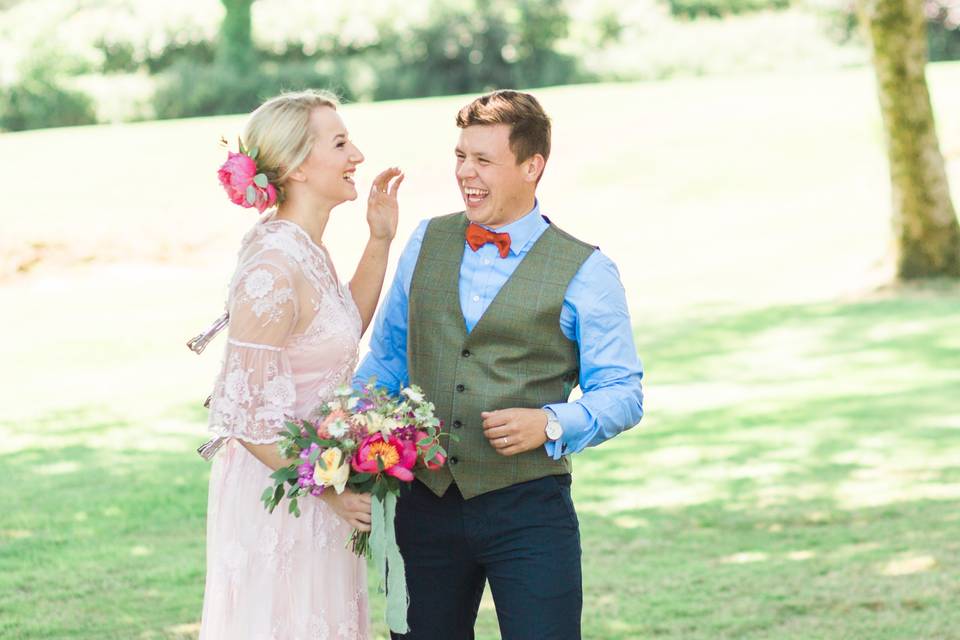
(524, 231)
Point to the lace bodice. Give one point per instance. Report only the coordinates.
(293, 334)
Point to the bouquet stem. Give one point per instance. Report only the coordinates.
(360, 543)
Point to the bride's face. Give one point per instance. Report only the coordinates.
(328, 171)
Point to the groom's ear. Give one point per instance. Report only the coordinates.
(533, 168)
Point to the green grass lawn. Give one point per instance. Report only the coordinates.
(798, 471)
(798, 476)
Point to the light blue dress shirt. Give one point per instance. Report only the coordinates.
(594, 315)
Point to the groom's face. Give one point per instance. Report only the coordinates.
(496, 189)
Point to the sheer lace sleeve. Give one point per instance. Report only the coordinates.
(255, 389)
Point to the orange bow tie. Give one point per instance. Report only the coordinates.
(478, 236)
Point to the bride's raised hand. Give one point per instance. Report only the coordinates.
(382, 208)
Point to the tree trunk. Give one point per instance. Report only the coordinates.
(235, 44)
(926, 231)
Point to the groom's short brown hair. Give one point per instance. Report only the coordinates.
(529, 124)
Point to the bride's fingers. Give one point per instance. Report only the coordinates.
(383, 178)
(395, 185)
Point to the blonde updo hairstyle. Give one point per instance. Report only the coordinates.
(280, 129)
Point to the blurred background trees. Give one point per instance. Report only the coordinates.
(64, 63)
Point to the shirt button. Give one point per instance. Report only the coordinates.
(465, 353)
(476, 298)
(457, 424)
(454, 460)
(460, 388)
(487, 261)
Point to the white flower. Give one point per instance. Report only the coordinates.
(390, 425)
(413, 394)
(259, 283)
(374, 422)
(338, 428)
(352, 403)
(343, 390)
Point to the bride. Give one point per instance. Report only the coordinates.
(293, 338)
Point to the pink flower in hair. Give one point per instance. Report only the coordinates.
(244, 186)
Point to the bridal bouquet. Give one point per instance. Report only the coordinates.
(370, 442)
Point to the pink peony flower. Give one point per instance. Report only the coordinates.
(397, 456)
(238, 175)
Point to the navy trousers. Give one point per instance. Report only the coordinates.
(523, 539)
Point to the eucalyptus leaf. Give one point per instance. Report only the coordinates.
(253, 153)
(261, 180)
(251, 195)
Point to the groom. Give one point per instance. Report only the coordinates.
(497, 314)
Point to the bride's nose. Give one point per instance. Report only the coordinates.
(357, 156)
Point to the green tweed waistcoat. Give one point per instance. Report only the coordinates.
(515, 356)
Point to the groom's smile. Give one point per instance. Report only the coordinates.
(496, 189)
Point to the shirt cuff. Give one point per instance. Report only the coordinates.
(570, 417)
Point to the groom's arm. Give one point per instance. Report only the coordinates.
(387, 359)
(594, 315)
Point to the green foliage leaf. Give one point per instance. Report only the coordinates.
(294, 508)
(261, 180)
(424, 442)
(251, 195)
(283, 474)
(253, 153)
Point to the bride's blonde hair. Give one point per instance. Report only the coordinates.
(280, 129)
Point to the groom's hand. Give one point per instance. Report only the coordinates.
(513, 431)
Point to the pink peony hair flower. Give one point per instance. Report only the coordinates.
(397, 456)
(243, 184)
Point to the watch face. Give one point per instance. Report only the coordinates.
(554, 430)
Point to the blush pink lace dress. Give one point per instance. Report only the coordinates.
(293, 338)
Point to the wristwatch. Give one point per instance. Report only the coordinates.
(553, 428)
